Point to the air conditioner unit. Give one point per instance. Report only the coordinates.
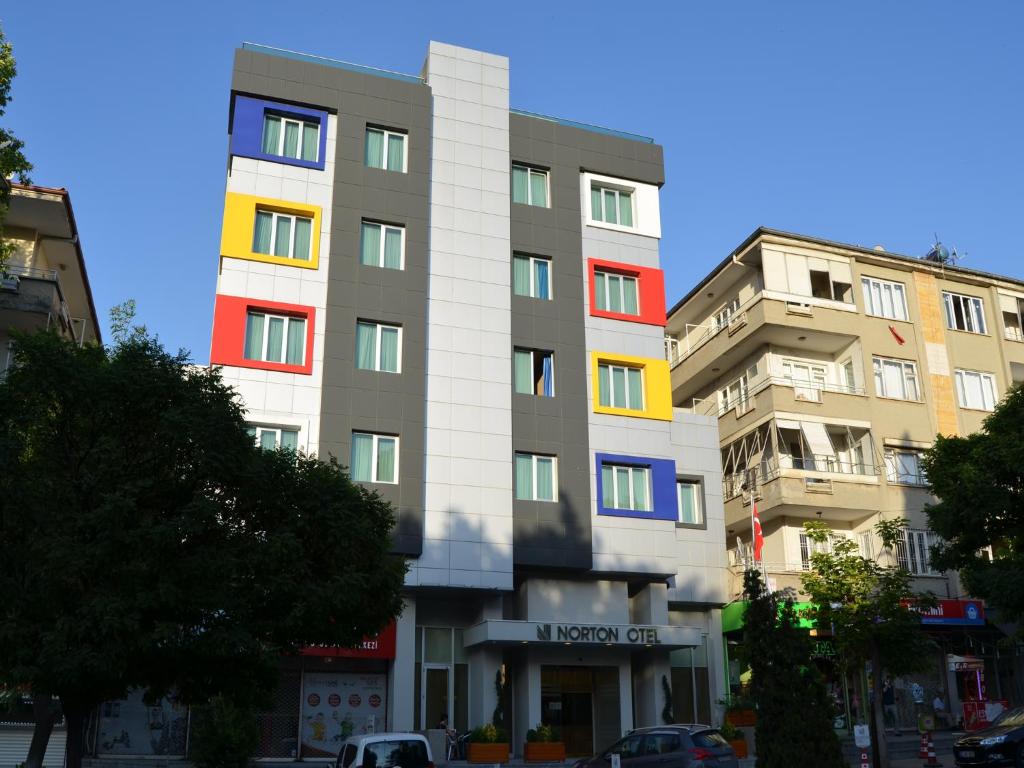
(736, 322)
(10, 283)
(794, 308)
(818, 485)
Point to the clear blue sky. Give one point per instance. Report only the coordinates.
(865, 122)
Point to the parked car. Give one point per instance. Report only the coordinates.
(385, 750)
(1002, 743)
(668, 746)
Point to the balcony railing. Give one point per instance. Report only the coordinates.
(808, 392)
(22, 271)
(749, 481)
(696, 336)
(1013, 334)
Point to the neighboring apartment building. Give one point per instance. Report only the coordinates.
(830, 369)
(463, 304)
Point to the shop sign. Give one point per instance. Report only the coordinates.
(588, 633)
(380, 646)
(517, 631)
(823, 649)
(964, 663)
(963, 613)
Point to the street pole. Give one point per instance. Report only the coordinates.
(880, 750)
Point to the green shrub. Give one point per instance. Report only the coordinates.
(488, 734)
(730, 732)
(224, 735)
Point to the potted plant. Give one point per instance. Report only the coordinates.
(543, 745)
(487, 744)
(740, 711)
(735, 737)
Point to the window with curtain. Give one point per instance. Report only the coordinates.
(904, 467)
(290, 137)
(275, 338)
(895, 378)
(382, 245)
(536, 477)
(529, 186)
(964, 313)
(611, 205)
(282, 234)
(913, 552)
(976, 390)
(531, 276)
(378, 347)
(385, 149)
(626, 487)
(272, 438)
(690, 502)
(614, 292)
(620, 386)
(884, 298)
(374, 458)
(533, 372)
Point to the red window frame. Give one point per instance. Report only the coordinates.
(650, 291)
(229, 317)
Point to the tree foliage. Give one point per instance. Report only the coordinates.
(146, 542)
(13, 163)
(979, 480)
(794, 714)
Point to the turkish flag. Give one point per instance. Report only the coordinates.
(758, 536)
(899, 339)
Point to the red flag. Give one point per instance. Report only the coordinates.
(758, 536)
(899, 339)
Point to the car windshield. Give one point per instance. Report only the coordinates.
(1013, 718)
(395, 754)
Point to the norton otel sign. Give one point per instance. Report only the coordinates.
(665, 637)
(588, 633)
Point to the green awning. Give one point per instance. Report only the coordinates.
(732, 615)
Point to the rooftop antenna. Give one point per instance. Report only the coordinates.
(940, 254)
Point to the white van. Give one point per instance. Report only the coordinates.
(385, 750)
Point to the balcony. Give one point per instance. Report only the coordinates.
(33, 298)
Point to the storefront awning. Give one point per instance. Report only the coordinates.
(506, 632)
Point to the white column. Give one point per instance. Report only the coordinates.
(403, 670)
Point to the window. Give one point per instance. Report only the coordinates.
(722, 317)
(1013, 317)
(620, 386)
(616, 293)
(689, 502)
(410, 753)
(531, 276)
(733, 395)
(382, 245)
(624, 487)
(809, 546)
(529, 186)
(807, 379)
(289, 137)
(533, 372)
(976, 390)
(866, 545)
(610, 205)
(385, 149)
(271, 438)
(913, 552)
(846, 370)
(274, 338)
(823, 286)
(964, 313)
(904, 467)
(536, 477)
(895, 379)
(883, 298)
(374, 458)
(378, 347)
(280, 234)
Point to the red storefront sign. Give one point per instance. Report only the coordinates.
(380, 647)
(964, 613)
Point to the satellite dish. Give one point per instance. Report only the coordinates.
(940, 254)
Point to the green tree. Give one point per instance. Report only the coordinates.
(980, 481)
(13, 163)
(865, 604)
(794, 713)
(146, 542)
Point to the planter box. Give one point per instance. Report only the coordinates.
(544, 751)
(741, 717)
(487, 753)
(739, 747)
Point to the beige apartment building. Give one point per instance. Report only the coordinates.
(831, 367)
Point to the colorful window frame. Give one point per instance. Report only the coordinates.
(650, 292)
(247, 130)
(657, 387)
(662, 486)
(236, 237)
(229, 319)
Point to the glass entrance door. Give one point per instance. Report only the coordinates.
(435, 696)
(582, 703)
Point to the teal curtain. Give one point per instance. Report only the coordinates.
(389, 350)
(614, 293)
(386, 460)
(521, 275)
(618, 387)
(520, 182)
(261, 234)
(607, 486)
(296, 341)
(600, 291)
(636, 388)
(310, 141)
(625, 209)
(687, 503)
(595, 204)
(522, 376)
(539, 189)
(622, 488)
(374, 148)
(271, 134)
(254, 337)
(604, 387)
(291, 139)
(524, 476)
(545, 479)
(640, 489)
(609, 207)
(275, 338)
(629, 299)
(283, 235)
(290, 439)
(362, 457)
(251, 432)
(396, 152)
(392, 248)
(369, 254)
(540, 279)
(303, 233)
(366, 346)
(268, 439)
